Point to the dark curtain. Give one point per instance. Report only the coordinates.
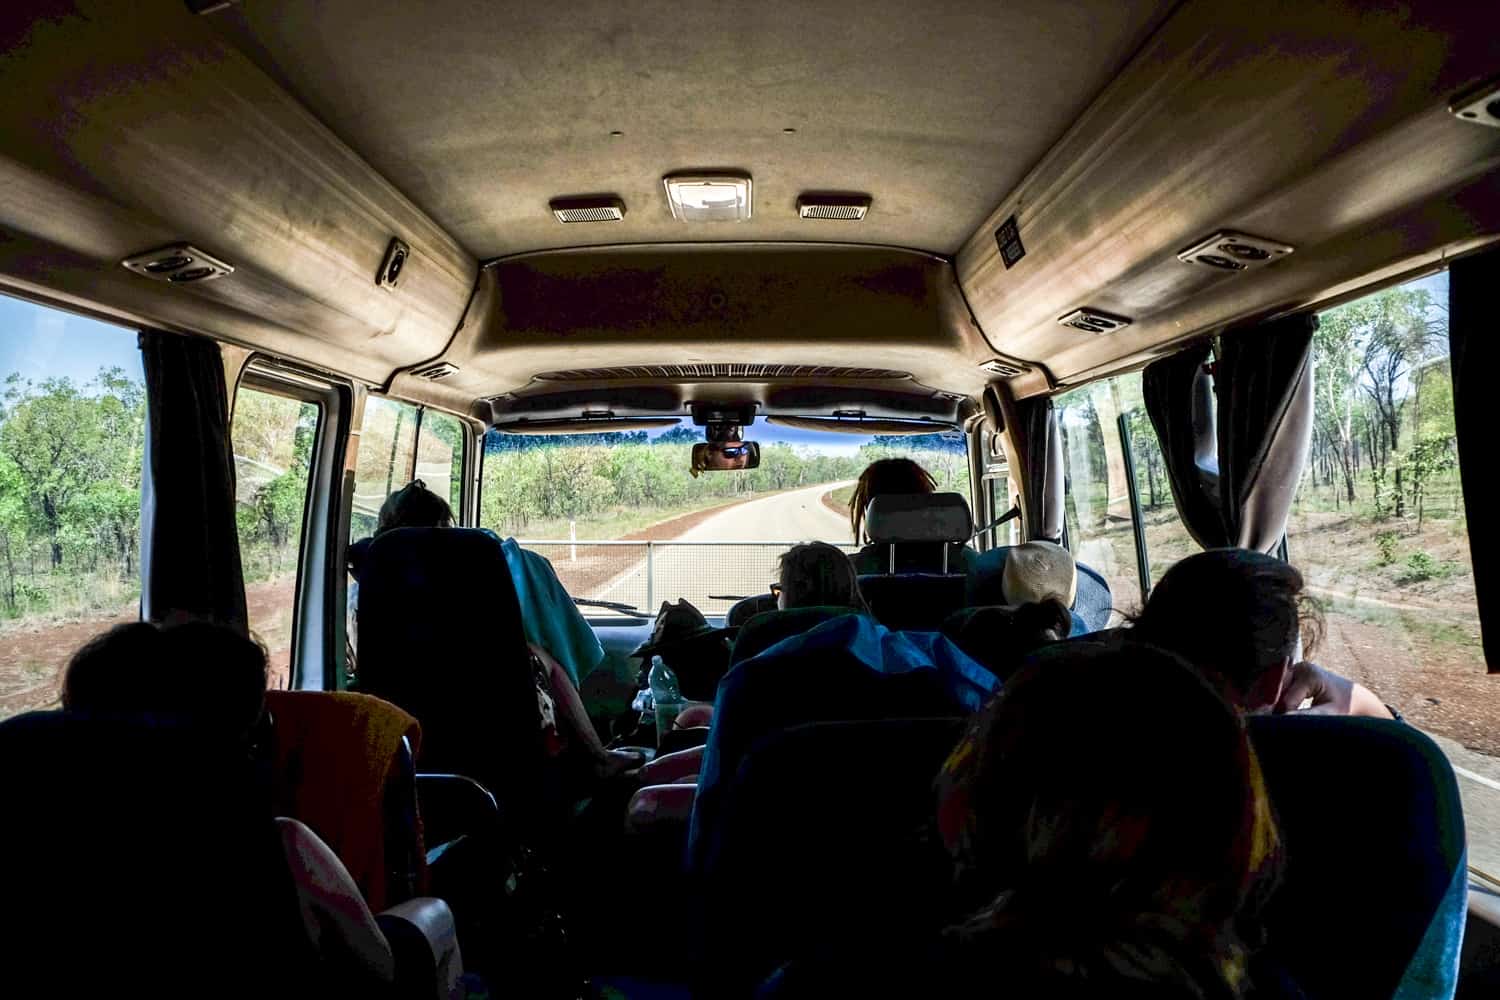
(1179, 397)
(1265, 396)
(190, 549)
(1474, 348)
(1042, 468)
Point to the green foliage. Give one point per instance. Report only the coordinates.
(70, 468)
(584, 481)
(1386, 541)
(1421, 566)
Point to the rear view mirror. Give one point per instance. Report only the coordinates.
(725, 456)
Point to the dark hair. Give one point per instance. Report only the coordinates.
(1108, 845)
(1233, 614)
(208, 675)
(882, 478)
(816, 574)
(414, 506)
(1001, 637)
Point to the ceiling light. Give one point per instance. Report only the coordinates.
(713, 197)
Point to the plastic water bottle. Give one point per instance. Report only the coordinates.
(666, 696)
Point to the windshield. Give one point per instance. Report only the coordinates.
(624, 520)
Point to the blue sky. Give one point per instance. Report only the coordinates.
(40, 342)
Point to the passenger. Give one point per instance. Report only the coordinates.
(814, 574)
(1239, 616)
(886, 477)
(1002, 637)
(213, 679)
(556, 633)
(1103, 858)
(817, 575)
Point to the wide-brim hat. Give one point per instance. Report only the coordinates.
(676, 625)
(1035, 571)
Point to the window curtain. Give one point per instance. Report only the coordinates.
(1179, 397)
(190, 550)
(1042, 468)
(1265, 398)
(1474, 351)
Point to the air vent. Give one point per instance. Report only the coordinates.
(1482, 108)
(833, 207)
(600, 209)
(180, 263)
(437, 371)
(1231, 251)
(1094, 321)
(756, 373)
(1005, 369)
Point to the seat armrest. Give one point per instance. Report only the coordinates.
(424, 942)
(453, 806)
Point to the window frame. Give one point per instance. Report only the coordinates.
(316, 658)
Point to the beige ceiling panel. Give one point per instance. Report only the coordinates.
(483, 111)
(1307, 123)
(139, 127)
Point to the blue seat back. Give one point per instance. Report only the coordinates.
(918, 601)
(440, 635)
(819, 866)
(768, 628)
(1373, 899)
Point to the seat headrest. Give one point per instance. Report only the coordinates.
(918, 517)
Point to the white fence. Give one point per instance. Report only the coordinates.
(712, 575)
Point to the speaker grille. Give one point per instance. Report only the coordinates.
(588, 209)
(834, 207)
(744, 372)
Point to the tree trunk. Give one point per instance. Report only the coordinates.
(1400, 495)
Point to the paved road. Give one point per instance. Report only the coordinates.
(697, 571)
(795, 516)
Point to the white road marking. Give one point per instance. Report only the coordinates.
(1487, 782)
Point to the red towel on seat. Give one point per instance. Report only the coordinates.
(334, 753)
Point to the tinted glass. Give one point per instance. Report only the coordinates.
(72, 428)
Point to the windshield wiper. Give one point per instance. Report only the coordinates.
(624, 609)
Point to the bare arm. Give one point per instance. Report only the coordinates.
(1330, 693)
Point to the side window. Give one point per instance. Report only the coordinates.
(273, 439)
(72, 428)
(440, 456)
(1166, 539)
(1097, 514)
(1097, 456)
(387, 446)
(1380, 533)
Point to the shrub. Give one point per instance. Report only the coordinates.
(1420, 566)
(1386, 541)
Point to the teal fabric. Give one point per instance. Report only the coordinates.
(549, 616)
(1433, 972)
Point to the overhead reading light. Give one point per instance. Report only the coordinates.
(846, 207)
(1231, 251)
(436, 372)
(1094, 321)
(603, 208)
(1482, 108)
(179, 263)
(709, 197)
